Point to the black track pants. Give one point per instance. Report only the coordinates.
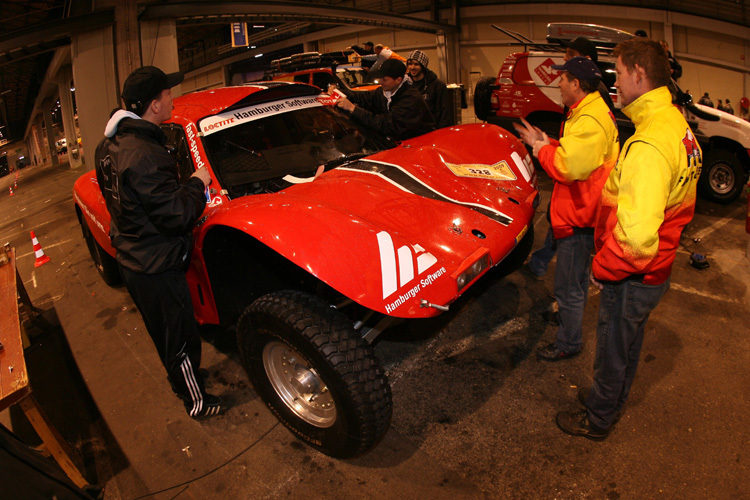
(164, 303)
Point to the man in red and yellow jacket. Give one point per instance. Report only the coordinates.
(647, 201)
(579, 163)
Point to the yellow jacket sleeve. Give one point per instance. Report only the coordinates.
(585, 141)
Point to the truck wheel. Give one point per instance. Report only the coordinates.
(483, 96)
(721, 177)
(313, 371)
(105, 264)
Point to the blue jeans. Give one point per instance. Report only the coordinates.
(571, 288)
(542, 257)
(623, 311)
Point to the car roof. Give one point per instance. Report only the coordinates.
(197, 105)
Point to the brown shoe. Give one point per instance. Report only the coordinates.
(552, 353)
(576, 423)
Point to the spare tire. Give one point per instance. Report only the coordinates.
(483, 97)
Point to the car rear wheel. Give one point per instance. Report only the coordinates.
(721, 177)
(483, 97)
(315, 373)
(105, 264)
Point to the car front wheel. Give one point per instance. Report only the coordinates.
(315, 373)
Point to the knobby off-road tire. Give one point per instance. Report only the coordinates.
(722, 177)
(104, 263)
(482, 97)
(315, 373)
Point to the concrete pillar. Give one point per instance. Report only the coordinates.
(64, 78)
(47, 113)
(38, 141)
(159, 47)
(97, 86)
(127, 40)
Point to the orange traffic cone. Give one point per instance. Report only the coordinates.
(38, 252)
(11, 190)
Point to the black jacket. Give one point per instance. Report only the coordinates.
(437, 97)
(152, 213)
(407, 117)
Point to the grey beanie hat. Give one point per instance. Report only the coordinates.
(419, 56)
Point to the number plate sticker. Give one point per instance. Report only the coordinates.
(500, 171)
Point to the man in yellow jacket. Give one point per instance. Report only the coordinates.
(647, 201)
(579, 163)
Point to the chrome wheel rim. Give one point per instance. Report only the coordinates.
(298, 385)
(722, 179)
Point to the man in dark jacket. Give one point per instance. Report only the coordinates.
(395, 109)
(433, 90)
(367, 50)
(152, 216)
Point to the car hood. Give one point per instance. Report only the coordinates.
(400, 226)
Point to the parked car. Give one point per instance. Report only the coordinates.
(319, 234)
(526, 86)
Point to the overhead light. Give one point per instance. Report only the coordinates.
(72, 89)
(258, 55)
(259, 26)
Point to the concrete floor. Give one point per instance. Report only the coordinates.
(473, 408)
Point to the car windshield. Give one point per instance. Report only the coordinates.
(256, 156)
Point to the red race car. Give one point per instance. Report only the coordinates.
(318, 234)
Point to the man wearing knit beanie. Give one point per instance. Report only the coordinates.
(433, 90)
(395, 109)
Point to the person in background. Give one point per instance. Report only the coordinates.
(380, 55)
(675, 68)
(720, 105)
(395, 109)
(728, 107)
(152, 218)
(367, 50)
(433, 90)
(706, 100)
(647, 200)
(579, 163)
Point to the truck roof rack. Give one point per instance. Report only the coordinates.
(310, 60)
(605, 38)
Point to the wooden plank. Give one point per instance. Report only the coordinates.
(14, 380)
(54, 443)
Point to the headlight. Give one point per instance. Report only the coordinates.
(476, 268)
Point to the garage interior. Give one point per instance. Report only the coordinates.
(473, 409)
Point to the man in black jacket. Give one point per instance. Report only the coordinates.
(433, 90)
(396, 109)
(152, 216)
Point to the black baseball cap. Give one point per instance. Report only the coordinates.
(582, 68)
(144, 84)
(393, 68)
(583, 46)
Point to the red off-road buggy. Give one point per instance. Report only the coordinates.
(319, 234)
